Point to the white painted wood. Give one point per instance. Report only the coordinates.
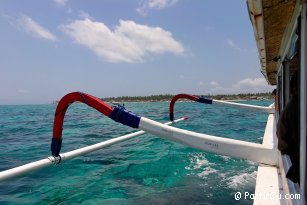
(269, 132)
(245, 106)
(268, 186)
(218, 145)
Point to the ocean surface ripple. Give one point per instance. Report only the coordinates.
(143, 170)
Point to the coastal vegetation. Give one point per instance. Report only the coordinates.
(168, 97)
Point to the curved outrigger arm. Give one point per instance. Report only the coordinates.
(224, 146)
(199, 99)
(240, 149)
(117, 113)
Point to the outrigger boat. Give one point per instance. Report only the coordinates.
(280, 29)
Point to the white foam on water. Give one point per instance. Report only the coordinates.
(242, 180)
(197, 161)
(226, 158)
(206, 172)
(200, 163)
(251, 163)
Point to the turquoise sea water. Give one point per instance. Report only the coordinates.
(143, 170)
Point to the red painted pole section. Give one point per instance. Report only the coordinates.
(71, 98)
(177, 97)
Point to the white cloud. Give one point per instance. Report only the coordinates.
(201, 83)
(252, 85)
(247, 85)
(84, 15)
(9, 19)
(161, 4)
(248, 82)
(61, 2)
(129, 42)
(233, 45)
(214, 84)
(230, 43)
(34, 28)
(154, 4)
(181, 76)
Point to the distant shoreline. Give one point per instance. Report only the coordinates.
(168, 97)
(165, 98)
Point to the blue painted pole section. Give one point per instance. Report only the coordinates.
(204, 100)
(121, 115)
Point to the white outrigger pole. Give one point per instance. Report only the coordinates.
(270, 109)
(265, 154)
(223, 146)
(261, 153)
(21, 170)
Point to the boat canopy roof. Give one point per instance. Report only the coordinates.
(271, 20)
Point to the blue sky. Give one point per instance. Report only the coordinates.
(125, 48)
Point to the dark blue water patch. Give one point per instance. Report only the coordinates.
(142, 170)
